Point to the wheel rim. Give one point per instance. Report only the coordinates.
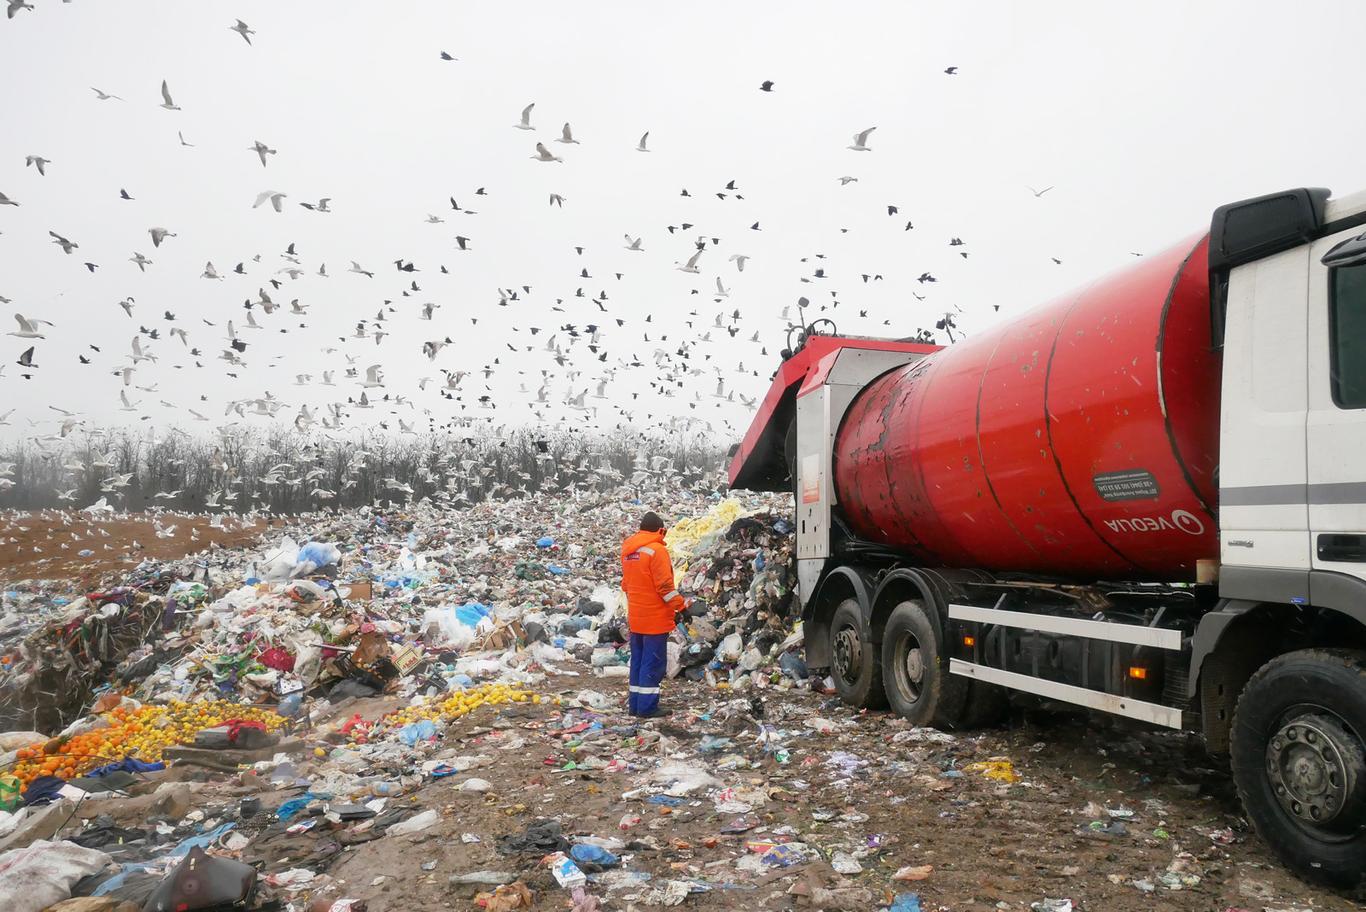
(848, 653)
(1317, 769)
(910, 667)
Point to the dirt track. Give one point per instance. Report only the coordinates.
(47, 544)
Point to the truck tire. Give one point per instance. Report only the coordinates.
(1298, 752)
(914, 672)
(853, 660)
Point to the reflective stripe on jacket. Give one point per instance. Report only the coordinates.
(647, 578)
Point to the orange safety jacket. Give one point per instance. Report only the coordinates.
(647, 578)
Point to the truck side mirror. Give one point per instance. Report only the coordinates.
(1351, 252)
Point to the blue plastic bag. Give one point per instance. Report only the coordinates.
(905, 902)
(414, 732)
(545, 541)
(594, 855)
(471, 613)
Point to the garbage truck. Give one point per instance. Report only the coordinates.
(1145, 498)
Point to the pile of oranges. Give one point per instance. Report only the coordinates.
(142, 733)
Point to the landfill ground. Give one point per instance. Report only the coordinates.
(991, 845)
(509, 741)
(31, 543)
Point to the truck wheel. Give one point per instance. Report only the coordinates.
(853, 660)
(917, 680)
(1298, 751)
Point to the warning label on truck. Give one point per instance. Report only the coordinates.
(811, 478)
(1134, 484)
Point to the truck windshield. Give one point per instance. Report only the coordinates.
(1348, 319)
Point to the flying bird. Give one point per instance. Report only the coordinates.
(766, 85)
(526, 118)
(276, 198)
(861, 141)
(262, 150)
(691, 265)
(159, 235)
(446, 56)
(104, 96)
(6, 201)
(38, 162)
(28, 327)
(166, 101)
(567, 135)
(641, 146)
(1039, 193)
(67, 246)
(242, 29)
(543, 154)
(15, 6)
(951, 71)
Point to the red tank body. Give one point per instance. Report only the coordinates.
(1078, 441)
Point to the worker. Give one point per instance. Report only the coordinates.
(652, 606)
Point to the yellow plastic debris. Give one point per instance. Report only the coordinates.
(684, 536)
(997, 768)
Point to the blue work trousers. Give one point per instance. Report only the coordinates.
(649, 660)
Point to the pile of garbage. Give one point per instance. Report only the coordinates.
(742, 565)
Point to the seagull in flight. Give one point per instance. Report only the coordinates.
(141, 261)
(526, 118)
(640, 147)
(691, 265)
(242, 29)
(6, 201)
(543, 154)
(1039, 193)
(39, 162)
(159, 235)
(28, 327)
(262, 150)
(633, 243)
(356, 268)
(567, 136)
(15, 6)
(277, 199)
(166, 102)
(104, 96)
(847, 180)
(67, 246)
(861, 141)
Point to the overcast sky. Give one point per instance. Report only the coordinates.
(1142, 117)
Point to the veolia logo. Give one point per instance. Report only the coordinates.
(1188, 522)
(1180, 519)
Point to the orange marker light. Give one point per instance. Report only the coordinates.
(969, 640)
(1138, 673)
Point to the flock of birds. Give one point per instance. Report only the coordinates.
(587, 342)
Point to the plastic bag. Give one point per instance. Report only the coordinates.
(441, 627)
(313, 556)
(414, 732)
